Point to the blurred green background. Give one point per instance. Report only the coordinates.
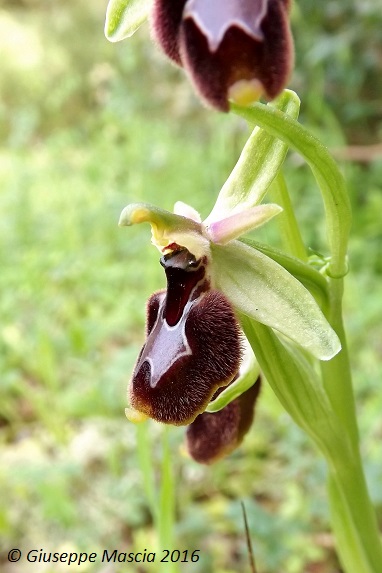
(87, 127)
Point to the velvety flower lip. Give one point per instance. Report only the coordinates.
(193, 344)
(237, 49)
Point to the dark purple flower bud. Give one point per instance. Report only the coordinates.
(212, 436)
(193, 345)
(238, 49)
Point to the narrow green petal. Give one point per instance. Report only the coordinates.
(248, 374)
(123, 18)
(258, 164)
(262, 289)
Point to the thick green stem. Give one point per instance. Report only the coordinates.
(336, 373)
(353, 517)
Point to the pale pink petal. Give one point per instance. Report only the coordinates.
(231, 227)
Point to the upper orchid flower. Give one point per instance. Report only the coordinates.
(236, 49)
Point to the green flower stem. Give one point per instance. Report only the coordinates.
(336, 373)
(352, 511)
(353, 517)
(166, 504)
(162, 506)
(146, 466)
(324, 168)
(289, 229)
(258, 164)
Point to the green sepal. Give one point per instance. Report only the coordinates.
(123, 18)
(160, 218)
(263, 290)
(310, 277)
(258, 164)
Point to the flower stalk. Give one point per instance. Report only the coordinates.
(332, 425)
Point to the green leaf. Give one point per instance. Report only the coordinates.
(123, 18)
(263, 290)
(258, 164)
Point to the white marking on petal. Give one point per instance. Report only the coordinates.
(166, 343)
(214, 18)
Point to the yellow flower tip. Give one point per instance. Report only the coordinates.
(140, 215)
(245, 92)
(135, 416)
(133, 214)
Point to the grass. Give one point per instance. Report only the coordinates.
(85, 132)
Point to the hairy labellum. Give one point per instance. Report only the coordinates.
(192, 346)
(233, 49)
(213, 436)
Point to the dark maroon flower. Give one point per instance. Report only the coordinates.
(193, 344)
(212, 436)
(232, 49)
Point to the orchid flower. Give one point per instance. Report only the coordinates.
(194, 343)
(236, 49)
